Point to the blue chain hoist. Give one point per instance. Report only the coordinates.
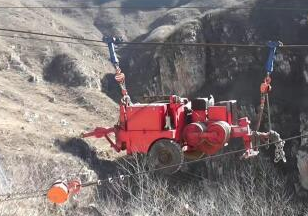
(119, 76)
(265, 87)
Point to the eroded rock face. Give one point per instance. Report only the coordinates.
(302, 156)
(234, 72)
(11, 60)
(302, 165)
(67, 70)
(181, 69)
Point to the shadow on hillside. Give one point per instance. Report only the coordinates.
(110, 87)
(122, 165)
(81, 149)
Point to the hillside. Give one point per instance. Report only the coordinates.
(51, 92)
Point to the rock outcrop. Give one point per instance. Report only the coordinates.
(234, 72)
(70, 71)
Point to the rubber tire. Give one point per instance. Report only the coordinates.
(174, 153)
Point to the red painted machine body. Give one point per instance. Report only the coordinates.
(196, 125)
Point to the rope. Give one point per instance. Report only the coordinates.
(121, 177)
(40, 193)
(139, 43)
(49, 35)
(22, 195)
(61, 41)
(50, 40)
(129, 43)
(9, 199)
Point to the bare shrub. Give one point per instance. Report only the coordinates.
(255, 189)
(245, 188)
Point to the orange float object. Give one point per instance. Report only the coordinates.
(60, 192)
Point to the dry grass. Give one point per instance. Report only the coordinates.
(244, 188)
(254, 189)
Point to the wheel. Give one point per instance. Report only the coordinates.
(165, 153)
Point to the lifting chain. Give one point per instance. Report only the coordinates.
(279, 152)
(265, 88)
(260, 138)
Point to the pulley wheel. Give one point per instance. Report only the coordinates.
(213, 145)
(165, 157)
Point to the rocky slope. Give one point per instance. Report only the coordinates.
(50, 92)
(235, 73)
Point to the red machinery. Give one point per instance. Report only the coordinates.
(167, 132)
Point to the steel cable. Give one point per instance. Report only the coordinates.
(189, 162)
(156, 7)
(10, 196)
(139, 43)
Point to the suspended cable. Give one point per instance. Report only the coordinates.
(139, 43)
(40, 193)
(50, 40)
(22, 195)
(133, 43)
(9, 199)
(128, 44)
(68, 42)
(192, 44)
(189, 162)
(155, 7)
(49, 35)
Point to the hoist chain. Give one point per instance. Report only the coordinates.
(279, 152)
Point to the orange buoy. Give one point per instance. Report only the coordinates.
(61, 191)
(58, 193)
